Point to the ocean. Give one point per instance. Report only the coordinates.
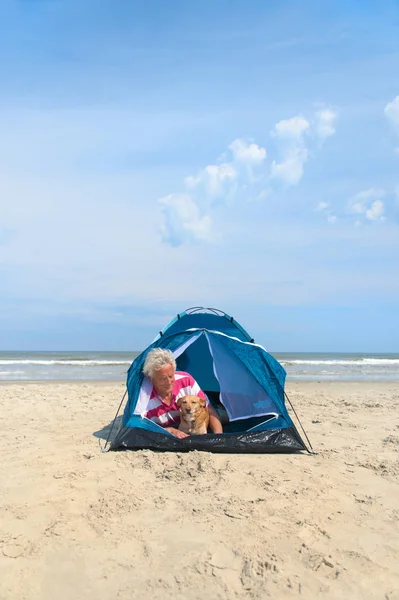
(113, 366)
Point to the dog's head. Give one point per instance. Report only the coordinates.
(191, 405)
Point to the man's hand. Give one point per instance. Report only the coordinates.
(176, 432)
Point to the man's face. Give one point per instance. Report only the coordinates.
(164, 379)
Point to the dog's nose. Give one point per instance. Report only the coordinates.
(188, 410)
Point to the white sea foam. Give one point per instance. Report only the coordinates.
(72, 363)
(3, 373)
(378, 362)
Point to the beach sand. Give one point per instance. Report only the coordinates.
(75, 523)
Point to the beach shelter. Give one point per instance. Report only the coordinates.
(243, 382)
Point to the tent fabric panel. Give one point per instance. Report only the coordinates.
(206, 321)
(242, 395)
(266, 369)
(143, 397)
(268, 441)
(197, 361)
(147, 424)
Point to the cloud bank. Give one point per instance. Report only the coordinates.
(244, 173)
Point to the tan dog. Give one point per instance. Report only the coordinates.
(194, 415)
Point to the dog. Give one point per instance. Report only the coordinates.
(194, 416)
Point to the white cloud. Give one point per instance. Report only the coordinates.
(325, 123)
(294, 136)
(183, 222)
(217, 175)
(290, 170)
(357, 207)
(191, 181)
(247, 153)
(369, 204)
(219, 180)
(392, 111)
(359, 202)
(214, 178)
(376, 210)
(324, 208)
(291, 128)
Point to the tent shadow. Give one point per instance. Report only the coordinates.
(104, 432)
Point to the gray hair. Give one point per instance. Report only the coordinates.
(156, 359)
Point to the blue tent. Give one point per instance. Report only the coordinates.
(242, 381)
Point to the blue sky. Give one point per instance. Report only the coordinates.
(156, 156)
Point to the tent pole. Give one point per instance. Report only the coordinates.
(311, 451)
(112, 426)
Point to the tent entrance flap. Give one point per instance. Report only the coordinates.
(241, 394)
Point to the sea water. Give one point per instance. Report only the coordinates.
(113, 366)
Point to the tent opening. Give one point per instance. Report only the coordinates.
(240, 400)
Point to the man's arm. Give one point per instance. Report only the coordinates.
(176, 432)
(214, 421)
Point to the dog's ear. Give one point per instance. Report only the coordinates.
(179, 402)
(203, 402)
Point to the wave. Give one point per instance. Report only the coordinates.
(377, 362)
(71, 363)
(2, 373)
(83, 362)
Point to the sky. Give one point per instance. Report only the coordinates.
(161, 155)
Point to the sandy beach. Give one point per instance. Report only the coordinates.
(76, 523)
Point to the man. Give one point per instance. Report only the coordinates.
(167, 387)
